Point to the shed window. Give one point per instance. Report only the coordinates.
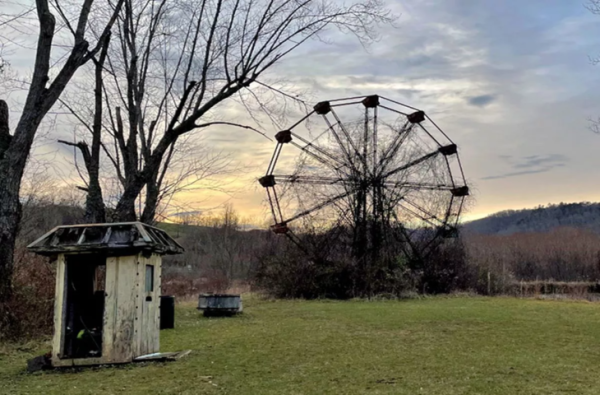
(149, 278)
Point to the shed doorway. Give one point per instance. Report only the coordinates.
(84, 306)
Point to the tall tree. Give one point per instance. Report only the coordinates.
(171, 64)
(46, 86)
(94, 204)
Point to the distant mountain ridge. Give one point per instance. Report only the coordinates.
(539, 219)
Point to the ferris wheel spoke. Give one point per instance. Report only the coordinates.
(458, 212)
(346, 134)
(319, 206)
(419, 186)
(424, 214)
(349, 158)
(389, 154)
(412, 163)
(418, 215)
(296, 179)
(319, 154)
(331, 163)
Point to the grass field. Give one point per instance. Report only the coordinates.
(454, 345)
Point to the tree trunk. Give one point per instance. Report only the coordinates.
(94, 203)
(5, 136)
(8, 224)
(125, 210)
(152, 193)
(10, 215)
(12, 167)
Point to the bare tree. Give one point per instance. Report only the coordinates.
(47, 84)
(172, 64)
(94, 204)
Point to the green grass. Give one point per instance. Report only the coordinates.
(429, 346)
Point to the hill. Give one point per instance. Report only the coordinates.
(38, 219)
(540, 219)
(584, 215)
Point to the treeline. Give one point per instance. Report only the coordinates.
(220, 255)
(561, 255)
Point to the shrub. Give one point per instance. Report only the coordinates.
(445, 269)
(29, 312)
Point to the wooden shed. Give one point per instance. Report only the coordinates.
(108, 278)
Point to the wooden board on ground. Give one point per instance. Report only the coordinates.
(162, 356)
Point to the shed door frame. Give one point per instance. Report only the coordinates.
(62, 300)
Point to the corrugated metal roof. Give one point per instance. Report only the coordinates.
(116, 239)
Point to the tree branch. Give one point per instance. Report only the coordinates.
(237, 125)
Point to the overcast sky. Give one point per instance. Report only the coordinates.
(510, 81)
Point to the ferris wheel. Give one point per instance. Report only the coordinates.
(366, 160)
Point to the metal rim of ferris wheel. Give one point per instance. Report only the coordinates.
(411, 120)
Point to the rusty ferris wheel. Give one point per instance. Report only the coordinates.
(368, 163)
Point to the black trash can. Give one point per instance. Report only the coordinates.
(167, 312)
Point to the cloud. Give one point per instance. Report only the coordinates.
(541, 160)
(408, 93)
(532, 164)
(482, 100)
(521, 173)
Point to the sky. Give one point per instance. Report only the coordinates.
(511, 82)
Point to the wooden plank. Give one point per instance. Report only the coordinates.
(144, 346)
(60, 298)
(153, 323)
(162, 356)
(157, 293)
(144, 308)
(120, 309)
(110, 307)
(125, 310)
(149, 335)
(80, 362)
(139, 292)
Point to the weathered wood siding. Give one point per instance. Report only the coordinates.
(148, 312)
(157, 294)
(60, 312)
(120, 309)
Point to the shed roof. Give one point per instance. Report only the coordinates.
(117, 239)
